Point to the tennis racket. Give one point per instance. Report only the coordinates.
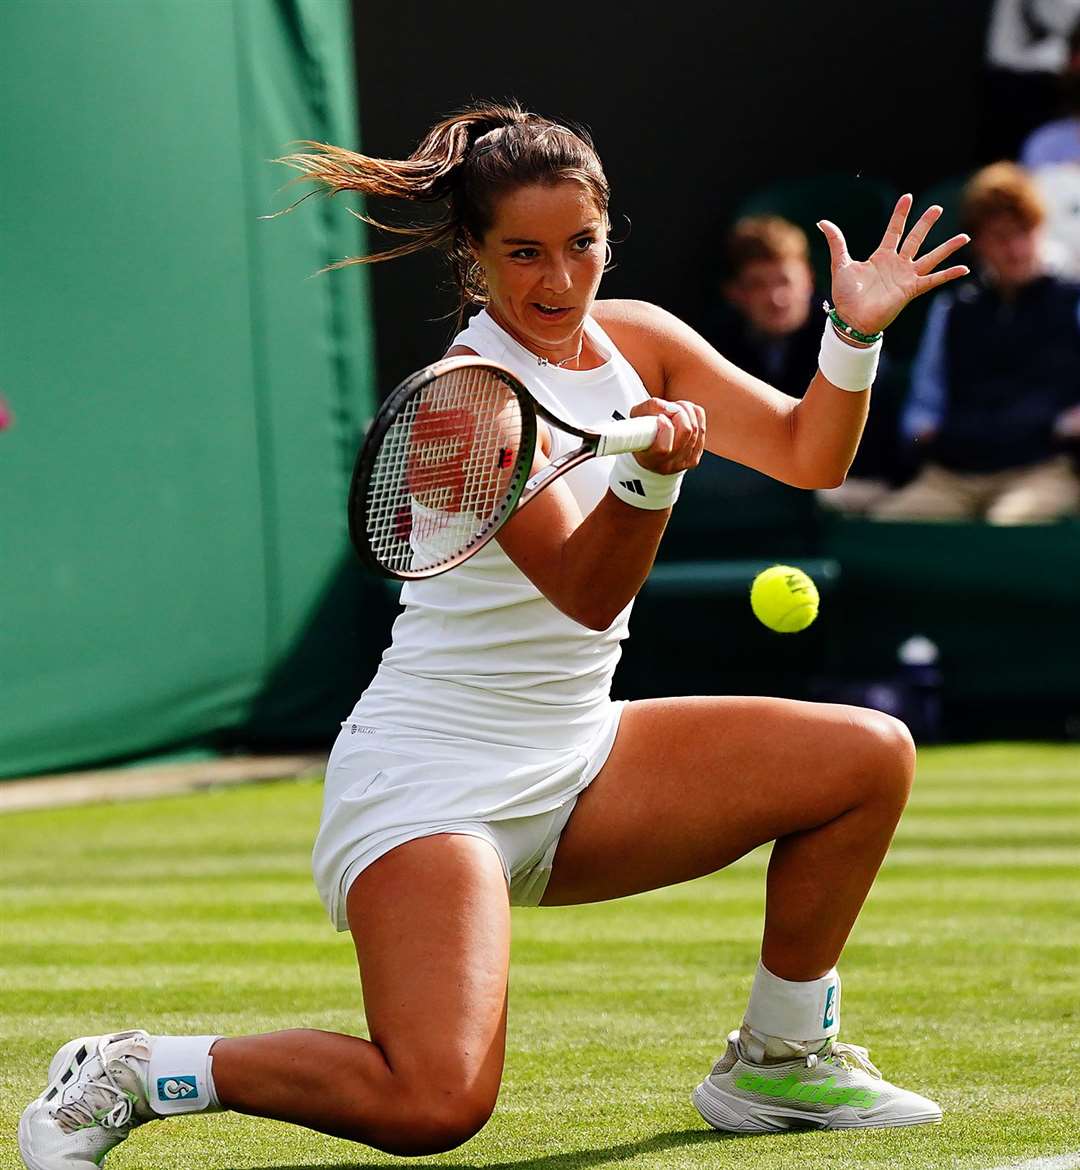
(447, 462)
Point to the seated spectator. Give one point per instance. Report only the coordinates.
(1025, 51)
(1058, 141)
(995, 386)
(769, 324)
(1052, 154)
(766, 323)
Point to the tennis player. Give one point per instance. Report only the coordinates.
(487, 766)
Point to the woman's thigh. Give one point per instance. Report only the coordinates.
(691, 784)
(431, 924)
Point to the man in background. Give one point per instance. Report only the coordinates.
(1025, 51)
(1058, 141)
(769, 323)
(766, 324)
(995, 388)
(1052, 154)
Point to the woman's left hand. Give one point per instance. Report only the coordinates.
(868, 294)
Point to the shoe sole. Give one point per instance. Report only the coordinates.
(732, 1114)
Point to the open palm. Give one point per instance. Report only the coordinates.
(868, 294)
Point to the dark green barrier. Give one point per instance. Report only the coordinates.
(186, 402)
(1000, 603)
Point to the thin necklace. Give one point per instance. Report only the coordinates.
(543, 361)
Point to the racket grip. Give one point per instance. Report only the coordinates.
(631, 434)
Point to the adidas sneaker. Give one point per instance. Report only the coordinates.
(835, 1088)
(95, 1097)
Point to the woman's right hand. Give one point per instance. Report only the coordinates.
(680, 435)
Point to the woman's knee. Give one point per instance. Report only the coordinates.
(884, 755)
(456, 1118)
(432, 1120)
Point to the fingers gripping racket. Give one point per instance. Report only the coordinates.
(446, 463)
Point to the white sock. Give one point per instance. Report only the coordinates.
(787, 1019)
(180, 1077)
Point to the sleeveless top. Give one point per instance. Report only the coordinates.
(479, 652)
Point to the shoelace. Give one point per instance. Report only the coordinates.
(100, 1102)
(850, 1056)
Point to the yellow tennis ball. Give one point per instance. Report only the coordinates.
(784, 598)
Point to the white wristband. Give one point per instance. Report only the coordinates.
(849, 367)
(636, 485)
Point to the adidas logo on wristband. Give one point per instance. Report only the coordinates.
(641, 488)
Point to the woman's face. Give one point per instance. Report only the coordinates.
(543, 258)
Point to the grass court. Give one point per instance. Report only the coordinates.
(197, 913)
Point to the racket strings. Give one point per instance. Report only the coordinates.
(443, 471)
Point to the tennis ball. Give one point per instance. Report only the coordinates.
(784, 598)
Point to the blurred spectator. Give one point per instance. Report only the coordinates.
(1058, 141)
(1052, 154)
(769, 323)
(996, 383)
(766, 322)
(1025, 51)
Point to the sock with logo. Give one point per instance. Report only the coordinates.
(785, 1020)
(180, 1076)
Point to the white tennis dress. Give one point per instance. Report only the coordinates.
(491, 709)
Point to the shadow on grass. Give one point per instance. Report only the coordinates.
(576, 1160)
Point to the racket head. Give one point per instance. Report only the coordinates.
(442, 467)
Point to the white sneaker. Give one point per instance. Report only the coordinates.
(95, 1097)
(836, 1088)
(73, 1054)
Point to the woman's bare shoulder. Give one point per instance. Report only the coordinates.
(640, 314)
(460, 351)
(637, 321)
(641, 331)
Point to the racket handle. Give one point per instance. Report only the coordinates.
(631, 434)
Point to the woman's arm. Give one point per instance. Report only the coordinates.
(590, 567)
(808, 443)
(811, 442)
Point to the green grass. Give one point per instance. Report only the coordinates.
(197, 913)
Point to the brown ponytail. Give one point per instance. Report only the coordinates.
(466, 162)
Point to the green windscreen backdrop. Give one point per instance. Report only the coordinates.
(186, 401)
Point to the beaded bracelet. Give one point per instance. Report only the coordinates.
(848, 367)
(850, 330)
